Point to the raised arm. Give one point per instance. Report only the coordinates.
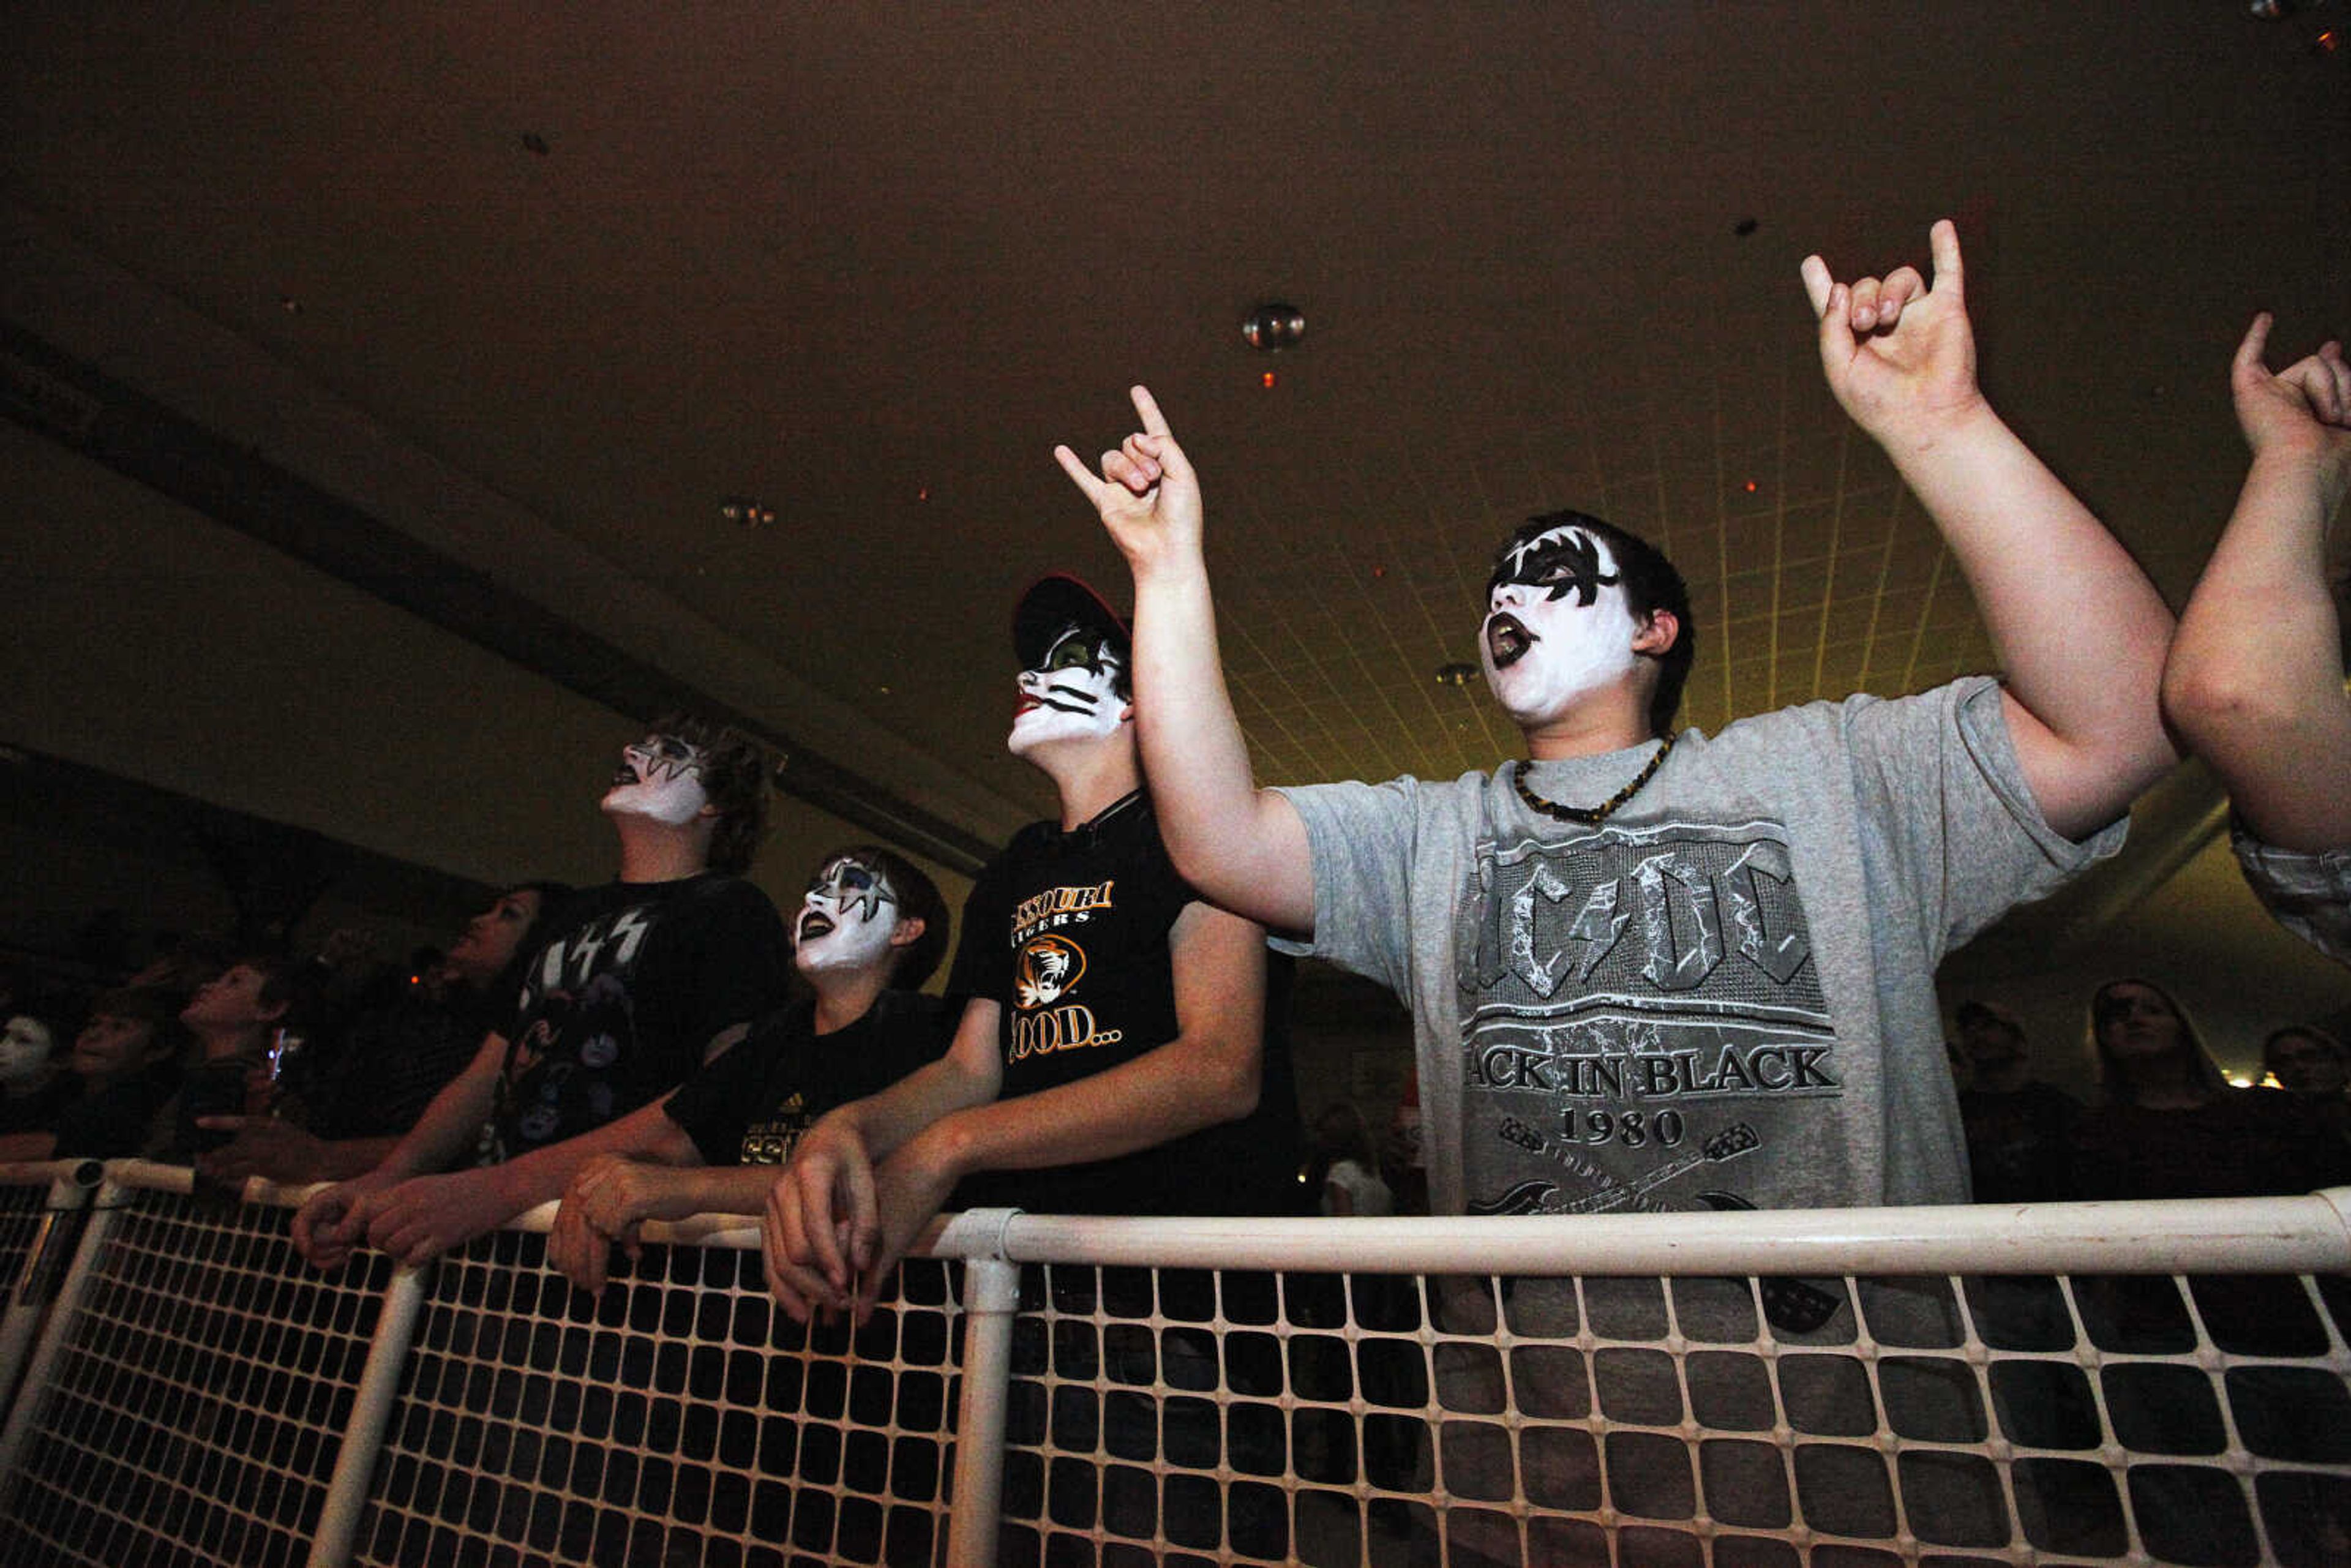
(1242, 847)
(822, 1226)
(2254, 684)
(2079, 631)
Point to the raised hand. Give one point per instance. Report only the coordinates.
(1147, 494)
(2306, 406)
(1899, 355)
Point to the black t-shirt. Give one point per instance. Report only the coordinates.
(620, 1000)
(751, 1105)
(38, 1111)
(393, 1060)
(1068, 932)
(2246, 1143)
(2021, 1143)
(114, 1123)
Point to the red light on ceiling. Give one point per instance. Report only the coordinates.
(1265, 381)
(923, 494)
(1379, 571)
(1751, 486)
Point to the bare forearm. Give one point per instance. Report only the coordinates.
(1242, 847)
(712, 1189)
(452, 1125)
(920, 1099)
(2254, 683)
(2078, 630)
(1152, 1100)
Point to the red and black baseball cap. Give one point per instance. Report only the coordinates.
(1054, 603)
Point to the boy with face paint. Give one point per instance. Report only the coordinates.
(869, 930)
(635, 985)
(1112, 1055)
(1651, 971)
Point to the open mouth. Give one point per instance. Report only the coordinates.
(1507, 641)
(814, 924)
(1026, 704)
(626, 773)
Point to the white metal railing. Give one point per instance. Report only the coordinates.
(2133, 1383)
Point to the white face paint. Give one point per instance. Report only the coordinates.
(1074, 696)
(660, 777)
(1558, 626)
(25, 1048)
(847, 918)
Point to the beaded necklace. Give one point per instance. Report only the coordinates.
(1587, 816)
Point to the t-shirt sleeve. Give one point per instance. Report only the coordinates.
(983, 960)
(1360, 837)
(1942, 793)
(716, 1106)
(2308, 892)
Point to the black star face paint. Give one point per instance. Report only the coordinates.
(1558, 626)
(847, 917)
(1074, 694)
(658, 776)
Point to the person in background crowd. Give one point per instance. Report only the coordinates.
(2019, 1129)
(2169, 1125)
(232, 1018)
(1350, 1160)
(34, 1087)
(870, 928)
(2312, 1064)
(344, 1103)
(123, 1058)
(640, 982)
(2254, 679)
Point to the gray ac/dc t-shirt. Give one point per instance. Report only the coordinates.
(1721, 998)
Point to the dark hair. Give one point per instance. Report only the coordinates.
(918, 899)
(735, 777)
(1650, 584)
(2114, 1084)
(553, 896)
(2311, 1032)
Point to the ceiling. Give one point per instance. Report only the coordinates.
(541, 285)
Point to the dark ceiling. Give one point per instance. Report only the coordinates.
(537, 286)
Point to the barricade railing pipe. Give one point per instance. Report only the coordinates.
(36, 1236)
(347, 1487)
(1757, 1387)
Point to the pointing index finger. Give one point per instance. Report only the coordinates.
(2256, 342)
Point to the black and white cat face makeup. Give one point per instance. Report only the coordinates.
(847, 917)
(1558, 625)
(660, 777)
(1074, 694)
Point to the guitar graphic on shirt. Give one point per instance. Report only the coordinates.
(1528, 1197)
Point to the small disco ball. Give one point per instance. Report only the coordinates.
(1273, 326)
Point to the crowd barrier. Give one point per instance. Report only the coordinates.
(2151, 1383)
